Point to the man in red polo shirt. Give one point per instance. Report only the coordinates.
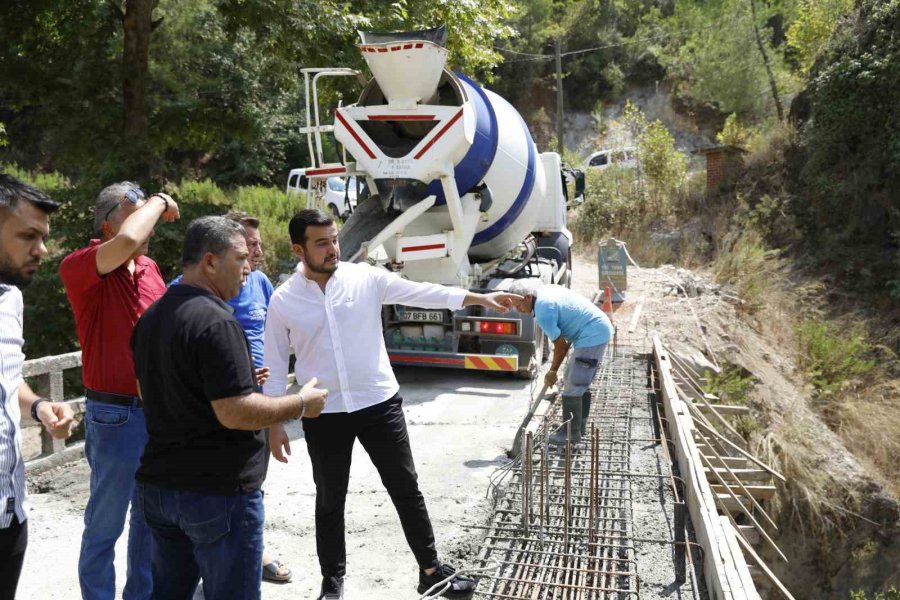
(110, 284)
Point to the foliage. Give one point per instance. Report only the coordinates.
(735, 133)
(747, 264)
(710, 54)
(831, 356)
(813, 27)
(623, 198)
(224, 98)
(852, 142)
(46, 306)
(660, 165)
(891, 594)
(608, 28)
(732, 385)
(613, 198)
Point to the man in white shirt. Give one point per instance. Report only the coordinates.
(24, 224)
(329, 314)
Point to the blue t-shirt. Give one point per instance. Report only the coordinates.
(560, 311)
(250, 308)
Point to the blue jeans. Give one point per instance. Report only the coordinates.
(213, 537)
(115, 439)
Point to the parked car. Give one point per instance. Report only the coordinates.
(622, 157)
(333, 194)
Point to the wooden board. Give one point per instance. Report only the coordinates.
(725, 573)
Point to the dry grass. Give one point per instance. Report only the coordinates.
(868, 420)
(814, 501)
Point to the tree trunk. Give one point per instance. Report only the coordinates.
(765, 56)
(137, 24)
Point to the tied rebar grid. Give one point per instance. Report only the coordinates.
(563, 531)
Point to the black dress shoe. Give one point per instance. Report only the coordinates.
(332, 588)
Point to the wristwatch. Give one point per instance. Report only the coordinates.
(34, 408)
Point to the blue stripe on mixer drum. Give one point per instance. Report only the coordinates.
(475, 164)
(503, 222)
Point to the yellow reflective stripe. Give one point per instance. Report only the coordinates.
(492, 363)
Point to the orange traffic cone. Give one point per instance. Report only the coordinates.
(607, 301)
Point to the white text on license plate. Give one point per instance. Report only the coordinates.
(431, 316)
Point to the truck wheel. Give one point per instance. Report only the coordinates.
(335, 213)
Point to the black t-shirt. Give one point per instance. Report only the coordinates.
(190, 351)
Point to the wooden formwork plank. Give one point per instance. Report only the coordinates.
(723, 409)
(760, 492)
(755, 476)
(733, 462)
(746, 579)
(724, 573)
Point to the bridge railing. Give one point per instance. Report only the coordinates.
(47, 372)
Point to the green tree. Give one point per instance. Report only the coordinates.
(813, 27)
(168, 88)
(712, 55)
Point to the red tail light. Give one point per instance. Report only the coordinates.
(490, 327)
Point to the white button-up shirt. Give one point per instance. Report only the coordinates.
(337, 335)
(12, 467)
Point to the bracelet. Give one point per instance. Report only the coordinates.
(165, 200)
(34, 408)
(302, 405)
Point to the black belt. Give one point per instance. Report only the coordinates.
(109, 398)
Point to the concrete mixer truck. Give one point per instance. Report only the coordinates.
(452, 190)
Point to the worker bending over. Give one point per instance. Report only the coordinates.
(569, 319)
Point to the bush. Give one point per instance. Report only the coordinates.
(612, 202)
(49, 324)
(830, 356)
(749, 266)
(274, 208)
(852, 141)
(891, 594)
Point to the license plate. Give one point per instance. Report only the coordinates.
(426, 316)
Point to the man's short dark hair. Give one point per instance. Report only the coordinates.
(209, 234)
(308, 217)
(12, 190)
(245, 219)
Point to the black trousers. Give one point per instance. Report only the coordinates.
(13, 541)
(381, 429)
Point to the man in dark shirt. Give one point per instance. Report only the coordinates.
(201, 472)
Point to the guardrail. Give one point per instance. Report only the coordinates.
(48, 371)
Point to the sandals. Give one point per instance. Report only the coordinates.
(271, 572)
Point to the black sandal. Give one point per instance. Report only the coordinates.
(270, 572)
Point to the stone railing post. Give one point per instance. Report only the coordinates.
(50, 385)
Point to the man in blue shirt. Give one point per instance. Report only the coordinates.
(568, 319)
(250, 309)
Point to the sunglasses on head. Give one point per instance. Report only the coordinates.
(132, 195)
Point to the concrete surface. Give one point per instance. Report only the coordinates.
(460, 425)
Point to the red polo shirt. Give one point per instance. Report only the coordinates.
(106, 309)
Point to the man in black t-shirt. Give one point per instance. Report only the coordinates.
(201, 472)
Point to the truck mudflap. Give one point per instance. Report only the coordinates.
(450, 360)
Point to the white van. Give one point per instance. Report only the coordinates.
(622, 157)
(332, 194)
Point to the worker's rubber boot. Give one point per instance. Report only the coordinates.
(585, 412)
(572, 409)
